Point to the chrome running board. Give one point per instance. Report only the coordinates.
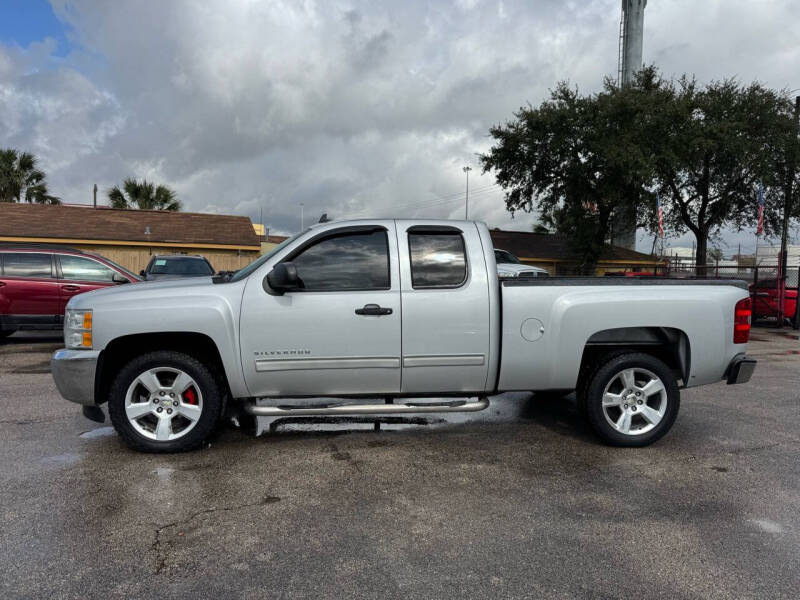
(367, 409)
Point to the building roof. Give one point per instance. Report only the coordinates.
(32, 222)
(554, 246)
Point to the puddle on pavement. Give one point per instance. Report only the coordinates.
(100, 432)
(66, 459)
(767, 526)
(163, 473)
(505, 408)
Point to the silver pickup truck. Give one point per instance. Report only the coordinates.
(374, 314)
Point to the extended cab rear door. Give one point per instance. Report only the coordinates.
(340, 334)
(446, 307)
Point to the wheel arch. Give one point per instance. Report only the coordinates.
(122, 349)
(668, 344)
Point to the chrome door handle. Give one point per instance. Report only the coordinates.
(70, 288)
(373, 309)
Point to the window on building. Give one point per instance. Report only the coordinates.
(437, 259)
(348, 261)
(26, 264)
(84, 269)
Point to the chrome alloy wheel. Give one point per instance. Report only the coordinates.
(634, 401)
(163, 404)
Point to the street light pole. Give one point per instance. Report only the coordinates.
(302, 216)
(466, 170)
(787, 213)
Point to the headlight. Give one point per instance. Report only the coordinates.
(78, 328)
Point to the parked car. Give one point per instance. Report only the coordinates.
(509, 265)
(394, 309)
(172, 266)
(36, 282)
(766, 302)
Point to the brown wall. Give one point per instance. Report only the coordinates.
(135, 258)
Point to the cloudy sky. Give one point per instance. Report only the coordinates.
(357, 109)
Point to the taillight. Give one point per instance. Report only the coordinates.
(741, 321)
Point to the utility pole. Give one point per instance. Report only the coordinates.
(466, 170)
(302, 216)
(95, 195)
(787, 212)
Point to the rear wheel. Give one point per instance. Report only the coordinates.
(631, 399)
(165, 402)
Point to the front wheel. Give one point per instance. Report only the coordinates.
(165, 402)
(631, 399)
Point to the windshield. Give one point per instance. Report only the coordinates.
(181, 266)
(244, 272)
(503, 256)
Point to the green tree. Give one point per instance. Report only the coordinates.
(579, 160)
(21, 180)
(711, 147)
(144, 196)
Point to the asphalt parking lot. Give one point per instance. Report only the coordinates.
(517, 501)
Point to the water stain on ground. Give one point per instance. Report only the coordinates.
(100, 432)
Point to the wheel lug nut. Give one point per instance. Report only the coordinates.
(155, 400)
(171, 395)
(169, 411)
(633, 408)
(175, 403)
(625, 406)
(160, 393)
(159, 409)
(638, 402)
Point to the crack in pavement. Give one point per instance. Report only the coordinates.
(33, 421)
(161, 556)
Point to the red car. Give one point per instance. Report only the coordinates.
(36, 282)
(766, 302)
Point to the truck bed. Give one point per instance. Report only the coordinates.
(627, 281)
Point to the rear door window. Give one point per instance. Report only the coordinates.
(27, 264)
(77, 268)
(438, 260)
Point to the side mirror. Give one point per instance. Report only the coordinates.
(141, 273)
(118, 278)
(283, 278)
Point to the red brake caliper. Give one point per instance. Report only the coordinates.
(190, 396)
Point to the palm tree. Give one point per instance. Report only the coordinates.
(143, 195)
(20, 180)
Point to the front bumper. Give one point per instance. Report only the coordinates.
(740, 369)
(73, 372)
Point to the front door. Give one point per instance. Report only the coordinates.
(327, 338)
(80, 274)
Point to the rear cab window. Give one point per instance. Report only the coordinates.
(438, 258)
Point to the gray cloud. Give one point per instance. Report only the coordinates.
(354, 108)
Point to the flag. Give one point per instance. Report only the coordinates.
(660, 216)
(760, 227)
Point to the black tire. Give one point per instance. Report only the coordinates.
(211, 390)
(606, 370)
